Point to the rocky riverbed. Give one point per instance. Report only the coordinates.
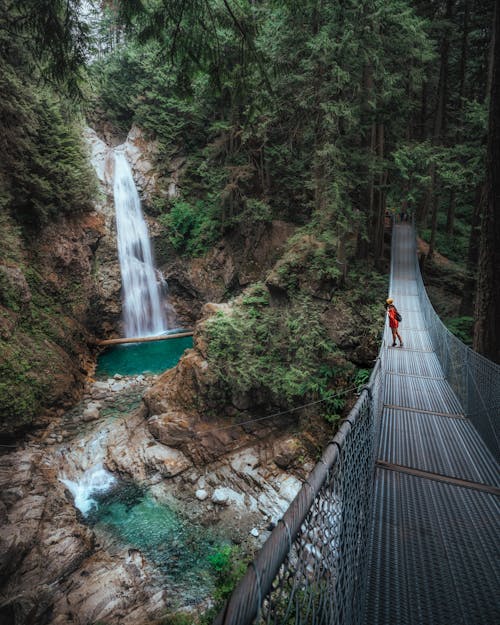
(57, 567)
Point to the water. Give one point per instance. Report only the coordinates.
(136, 358)
(143, 313)
(179, 549)
(94, 481)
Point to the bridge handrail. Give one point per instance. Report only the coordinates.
(319, 561)
(474, 379)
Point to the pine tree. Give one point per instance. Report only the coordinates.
(487, 311)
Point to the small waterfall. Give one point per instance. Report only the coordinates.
(143, 314)
(93, 481)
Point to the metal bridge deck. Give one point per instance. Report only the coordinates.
(434, 554)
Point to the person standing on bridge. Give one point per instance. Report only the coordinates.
(394, 318)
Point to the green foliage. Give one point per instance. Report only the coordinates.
(192, 229)
(462, 328)
(361, 378)
(282, 355)
(453, 246)
(179, 619)
(310, 261)
(228, 567)
(25, 366)
(255, 297)
(51, 34)
(44, 172)
(37, 335)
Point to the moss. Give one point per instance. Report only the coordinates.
(23, 384)
(282, 355)
(38, 340)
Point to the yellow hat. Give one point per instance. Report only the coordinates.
(390, 300)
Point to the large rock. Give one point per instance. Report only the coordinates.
(41, 542)
(142, 153)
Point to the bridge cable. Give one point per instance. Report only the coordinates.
(278, 414)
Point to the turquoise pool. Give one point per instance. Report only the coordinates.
(136, 358)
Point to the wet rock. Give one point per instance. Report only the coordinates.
(201, 494)
(172, 428)
(142, 154)
(224, 496)
(242, 257)
(116, 387)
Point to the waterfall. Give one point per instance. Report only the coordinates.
(143, 314)
(93, 481)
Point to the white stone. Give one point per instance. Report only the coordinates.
(252, 504)
(255, 532)
(220, 496)
(289, 487)
(91, 413)
(169, 462)
(172, 190)
(101, 386)
(201, 494)
(224, 495)
(118, 386)
(245, 462)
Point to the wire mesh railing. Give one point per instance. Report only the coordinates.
(474, 379)
(311, 569)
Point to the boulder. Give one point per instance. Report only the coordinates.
(167, 461)
(287, 452)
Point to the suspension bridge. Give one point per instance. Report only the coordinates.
(398, 523)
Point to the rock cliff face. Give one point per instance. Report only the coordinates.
(243, 256)
(46, 287)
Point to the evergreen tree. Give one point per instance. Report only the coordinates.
(487, 313)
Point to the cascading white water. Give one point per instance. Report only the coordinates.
(93, 481)
(143, 314)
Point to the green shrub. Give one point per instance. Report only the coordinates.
(462, 328)
(228, 567)
(192, 228)
(361, 378)
(283, 354)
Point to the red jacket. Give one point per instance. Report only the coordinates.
(393, 322)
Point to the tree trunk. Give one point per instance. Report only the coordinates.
(463, 61)
(440, 124)
(450, 217)
(367, 194)
(467, 301)
(423, 112)
(432, 242)
(378, 222)
(487, 310)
